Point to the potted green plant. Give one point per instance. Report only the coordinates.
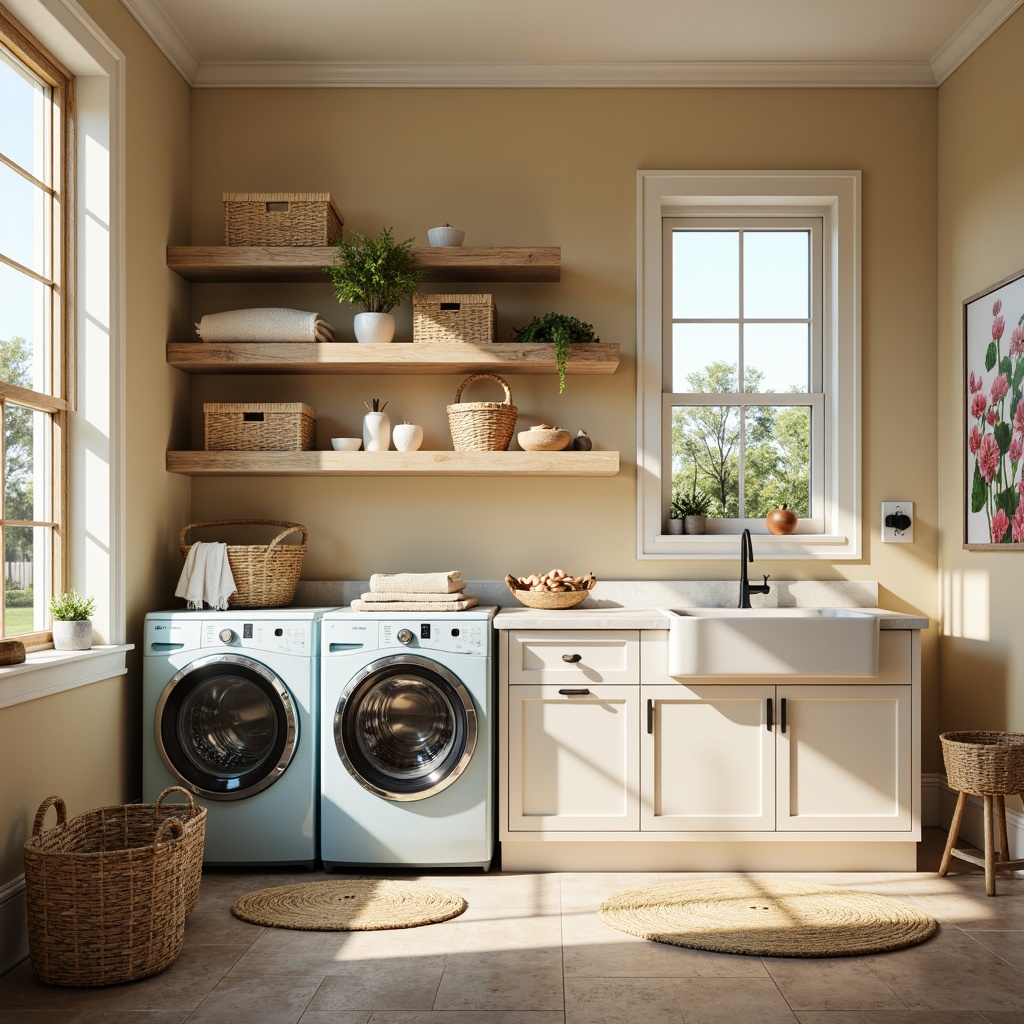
(692, 509)
(556, 329)
(72, 621)
(374, 274)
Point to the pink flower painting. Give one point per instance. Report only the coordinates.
(994, 440)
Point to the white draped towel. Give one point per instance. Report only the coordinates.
(206, 576)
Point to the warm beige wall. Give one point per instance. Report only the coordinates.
(981, 223)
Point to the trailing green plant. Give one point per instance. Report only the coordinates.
(556, 329)
(71, 607)
(374, 273)
(696, 503)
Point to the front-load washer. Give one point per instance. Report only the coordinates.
(406, 739)
(230, 712)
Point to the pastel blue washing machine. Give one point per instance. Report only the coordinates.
(407, 739)
(230, 710)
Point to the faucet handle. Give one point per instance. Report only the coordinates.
(766, 580)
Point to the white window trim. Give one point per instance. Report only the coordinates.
(836, 194)
(96, 489)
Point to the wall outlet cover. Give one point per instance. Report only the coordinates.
(893, 534)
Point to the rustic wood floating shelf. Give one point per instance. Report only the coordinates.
(397, 358)
(421, 463)
(306, 263)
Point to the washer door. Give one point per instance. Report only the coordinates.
(226, 727)
(405, 727)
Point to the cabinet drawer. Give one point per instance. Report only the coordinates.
(568, 658)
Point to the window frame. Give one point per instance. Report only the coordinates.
(57, 402)
(835, 197)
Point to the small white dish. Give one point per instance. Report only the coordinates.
(445, 235)
(346, 444)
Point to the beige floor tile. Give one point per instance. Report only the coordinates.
(25, 1016)
(621, 1001)
(731, 1000)
(401, 983)
(269, 1000)
(893, 1017)
(465, 1017)
(527, 933)
(335, 1017)
(1008, 946)
(629, 957)
(213, 922)
(841, 984)
(514, 979)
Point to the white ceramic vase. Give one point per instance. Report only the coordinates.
(407, 436)
(72, 635)
(374, 328)
(376, 432)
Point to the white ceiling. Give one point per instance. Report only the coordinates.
(569, 42)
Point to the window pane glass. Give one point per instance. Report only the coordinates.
(24, 330)
(23, 127)
(705, 454)
(24, 454)
(25, 595)
(24, 222)
(705, 274)
(776, 273)
(781, 354)
(777, 460)
(705, 357)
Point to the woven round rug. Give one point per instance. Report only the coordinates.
(349, 905)
(764, 917)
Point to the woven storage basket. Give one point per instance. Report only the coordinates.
(259, 427)
(193, 818)
(984, 762)
(105, 893)
(482, 426)
(547, 599)
(281, 218)
(266, 575)
(453, 318)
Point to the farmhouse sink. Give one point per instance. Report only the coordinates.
(772, 642)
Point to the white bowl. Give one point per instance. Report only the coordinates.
(346, 444)
(446, 235)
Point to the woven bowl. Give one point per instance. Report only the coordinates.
(543, 439)
(549, 599)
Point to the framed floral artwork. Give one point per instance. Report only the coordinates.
(994, 417)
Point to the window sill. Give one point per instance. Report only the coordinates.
(726, 545)
(48, 671)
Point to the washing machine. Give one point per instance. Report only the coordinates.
(407, 738)
(230, 712)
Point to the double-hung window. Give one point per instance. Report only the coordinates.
(35, 97)
(748, 364)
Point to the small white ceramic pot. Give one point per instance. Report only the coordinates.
(73, 635)
(374, 328)
(445, 235)
(376, 432)
(407, 436)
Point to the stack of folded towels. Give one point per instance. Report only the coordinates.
(415, 592)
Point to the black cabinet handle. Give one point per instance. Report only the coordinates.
(783, 714)
(568, 692)
(572, 658)
(770, 722)
(650, 717)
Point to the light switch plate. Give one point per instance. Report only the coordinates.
(891, 535)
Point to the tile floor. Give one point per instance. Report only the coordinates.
(531, 950)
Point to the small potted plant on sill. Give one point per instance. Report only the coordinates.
(374, 274)
(72, 622)
(559, 330)
(693, 510)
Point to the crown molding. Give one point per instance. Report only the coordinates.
(978, 27)
(159, 27)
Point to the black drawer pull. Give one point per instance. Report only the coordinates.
(569, 692)
(572, 658)
(783, 724)
(650, 717)
(770, 722)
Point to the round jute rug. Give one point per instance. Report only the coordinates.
(349, 905)
(765, 917)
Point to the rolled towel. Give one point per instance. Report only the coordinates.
(268, 325)
(456, 604)
(384, 597)
(417, 582)
(206, 576)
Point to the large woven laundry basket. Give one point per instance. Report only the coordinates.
(105, 893)
(482, 426)
(984, 762)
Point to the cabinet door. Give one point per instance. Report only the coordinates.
(707, 759)
(573, 763)
(844, 761)
(580, 657)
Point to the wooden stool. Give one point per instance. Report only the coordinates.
(989, 765)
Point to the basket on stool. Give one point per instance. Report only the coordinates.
(106, 894)
(990, 765)
(482, 426)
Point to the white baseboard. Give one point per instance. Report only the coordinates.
(13, 924)
(938, 802)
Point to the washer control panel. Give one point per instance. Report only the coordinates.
(436, 635)
(279, 636)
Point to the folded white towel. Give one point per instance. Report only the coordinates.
(417, 582)
(268, 325)
(455, 604)
(206, 576)
(384, 596)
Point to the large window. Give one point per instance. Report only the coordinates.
(748, 359)
(35, 97)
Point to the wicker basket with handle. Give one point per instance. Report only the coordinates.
(984, 762)
(106, 894)
(266, 575)
(482, 426)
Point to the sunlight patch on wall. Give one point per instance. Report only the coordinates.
(965, 604)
